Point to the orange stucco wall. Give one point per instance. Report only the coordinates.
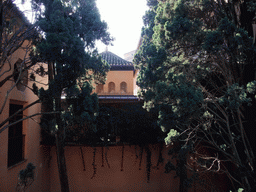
(130, 179)
(112, 179)
(118, 77)
(135, 87)
(34, 153)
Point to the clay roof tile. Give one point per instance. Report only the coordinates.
(116, 62)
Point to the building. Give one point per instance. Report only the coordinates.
(130, 55)
(114, 161)
(19, 143)
(119, 164)
(121, 80)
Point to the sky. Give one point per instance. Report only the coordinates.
(124, 19)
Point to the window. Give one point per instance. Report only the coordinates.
(111, 87)
(20, 78)
(100, 88)
(16, 139)
(123, 87)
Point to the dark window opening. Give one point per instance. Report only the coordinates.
(123, 87)
(20, 78)
(17, 70)
(16, 139)
(99, 88)
(111, 87)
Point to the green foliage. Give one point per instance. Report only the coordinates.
(67, 34)
(251, 87)
(235, 96)
(148, 19)
(168, 79)
(213, 41)
(171, 137)
(251, 6)
(152, 3)
(194, 69)
(239, 190)
(81, 108)
(133, 124)
(70, 29)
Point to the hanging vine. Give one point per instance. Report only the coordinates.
(136, 152)
(49, 158)
(148, 162)
(122, 162)
(82, 157)
(93, 163)
(102, 157)
(106, 158)
(141, 153)
(160, 156)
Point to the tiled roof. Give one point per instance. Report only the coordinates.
(116, 62)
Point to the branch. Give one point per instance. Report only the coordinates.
(243, 139)
(6, 97)
(2, 66)
(17, 112)
(41, 113)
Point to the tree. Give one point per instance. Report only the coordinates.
(69, 29)
(196, 68)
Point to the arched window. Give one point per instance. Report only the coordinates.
(20, 78)
(100, 88)
(111, 87)
(123, 87)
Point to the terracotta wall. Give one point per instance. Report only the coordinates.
(111, 179)
(118, 77)
(33, 150)
(120, 178)
(34, 153)
(135, 86)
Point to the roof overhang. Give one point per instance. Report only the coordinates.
(118, 99)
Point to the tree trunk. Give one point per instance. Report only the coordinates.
(60, 152)
(183, 175)
(59, 136)
(1, 25)
(61, 163)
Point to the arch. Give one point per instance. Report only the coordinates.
(20, 78)
(123, 87)
(100, 88)
(111, 87)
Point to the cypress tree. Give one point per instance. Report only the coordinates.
(196, 68)
(69, 30)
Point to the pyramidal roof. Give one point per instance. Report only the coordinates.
(116, 62)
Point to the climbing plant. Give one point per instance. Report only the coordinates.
(26, 178)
